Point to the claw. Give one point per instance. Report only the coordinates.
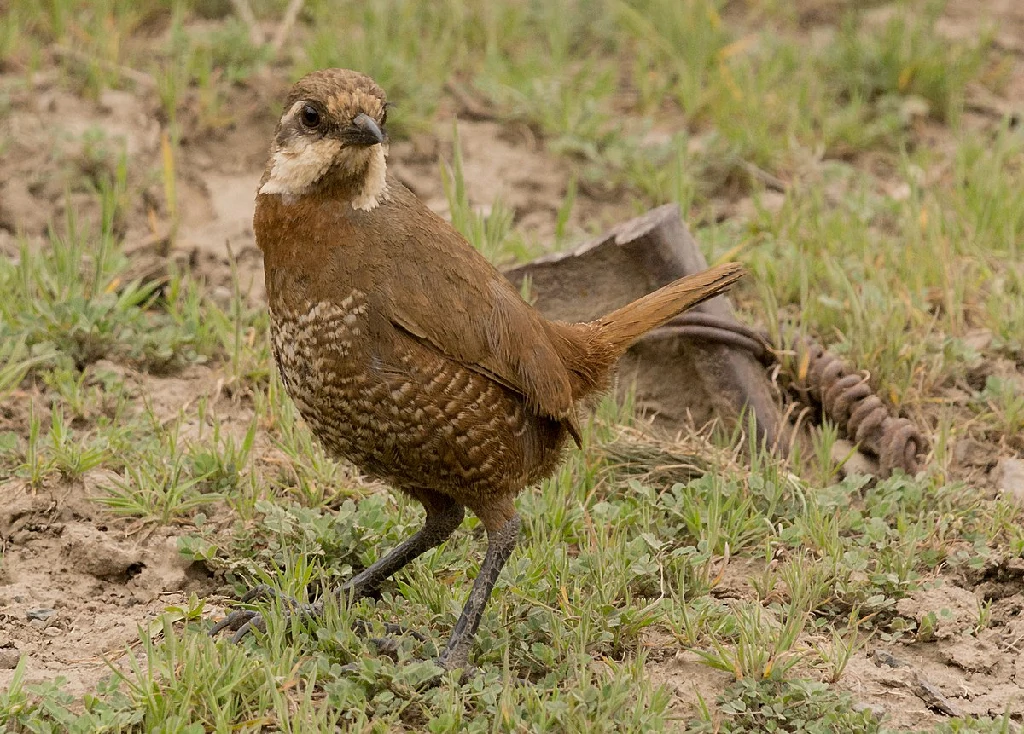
(237, 621)
(244, 621)
(255, 623)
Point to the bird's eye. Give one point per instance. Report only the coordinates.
(310, 117)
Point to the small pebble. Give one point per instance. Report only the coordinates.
(9, 658)
(879, 712)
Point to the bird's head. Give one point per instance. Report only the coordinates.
(332, 133)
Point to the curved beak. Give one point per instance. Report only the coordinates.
(366, 131)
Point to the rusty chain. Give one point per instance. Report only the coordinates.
(820, 377)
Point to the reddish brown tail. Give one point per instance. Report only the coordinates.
(623, 327)
(590, 350)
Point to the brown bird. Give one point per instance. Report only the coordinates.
(406, 351)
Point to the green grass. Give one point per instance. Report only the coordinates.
(858, 229)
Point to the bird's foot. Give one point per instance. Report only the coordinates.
(466, 671)
(244, 621)
(388, 644)
(433, 679)
(457, 658)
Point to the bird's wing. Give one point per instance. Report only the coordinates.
(442, 291)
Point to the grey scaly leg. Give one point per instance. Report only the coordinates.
(500, 544)
(443, 517)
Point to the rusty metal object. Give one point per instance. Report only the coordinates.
(689, 370)
(822, 378)
(730, 332)
(704, 364)
(849, 402)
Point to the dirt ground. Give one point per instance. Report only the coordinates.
(76, 586)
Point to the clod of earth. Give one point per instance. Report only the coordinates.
(89, 551)
(39, 615)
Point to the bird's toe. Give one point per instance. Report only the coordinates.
(237, 621)
(255, 622)
(244, 621)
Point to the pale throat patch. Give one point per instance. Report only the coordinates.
(375, 185)
(304, 161)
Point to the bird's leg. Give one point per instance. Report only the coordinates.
(500, 543)
(442, 520)
(444, 516)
